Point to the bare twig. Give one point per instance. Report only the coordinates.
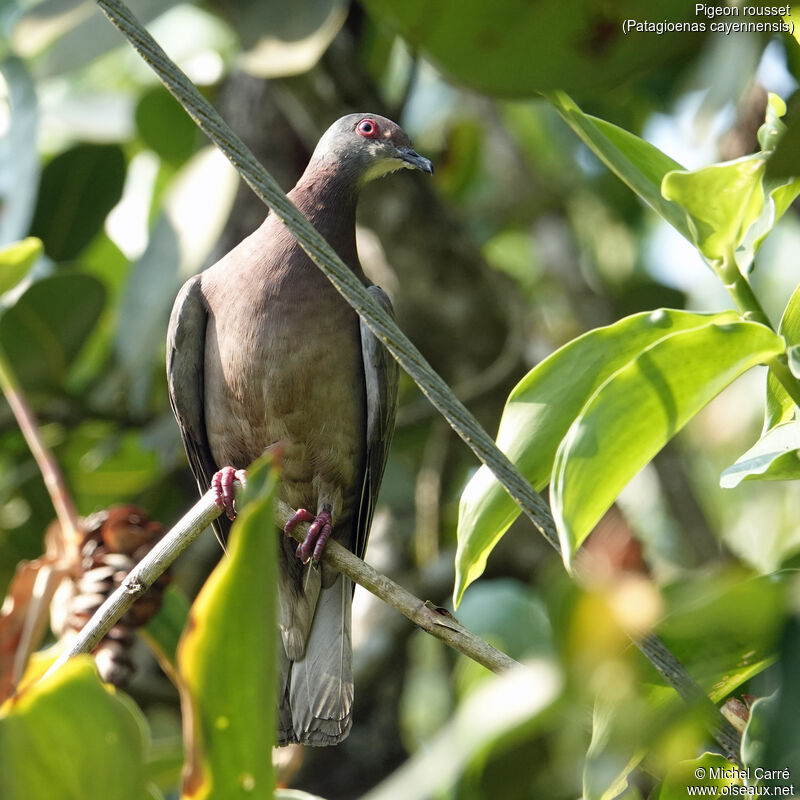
(51, 473)
(436, 621)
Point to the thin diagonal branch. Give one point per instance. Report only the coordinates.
(436, 621)
(51, 473)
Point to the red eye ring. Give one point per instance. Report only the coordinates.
(368, 128)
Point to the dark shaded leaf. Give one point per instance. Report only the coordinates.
(78, 189)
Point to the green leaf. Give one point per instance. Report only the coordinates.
(15, 261)
(78, 189)
(538, 414)
(70, 738)
(638, 409)
(517, 48)
(698, 772)
(774, 457)
(721, 202)
(43, 331)
(771, 132)
(779, 405)
(784, 161)
(637, 163)
(227, 659)
(164, 126)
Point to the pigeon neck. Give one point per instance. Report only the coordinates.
(328, 200)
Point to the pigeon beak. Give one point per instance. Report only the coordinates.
(415, 160)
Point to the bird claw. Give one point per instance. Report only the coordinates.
(222, 486)
(318, 533)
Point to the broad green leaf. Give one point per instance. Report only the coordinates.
(638, 409)
(503, 704)
(774, 457)
(779, 406)
(15, 261)
(68, 737)
(538, 414)
(78, 189)
(711, 769)
(19, 158)
(637, 163)
(720, 201)
(164, 126)
(227, 659)
(43, 331)
(517, 48)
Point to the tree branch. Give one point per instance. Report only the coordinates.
(436, 621)
(51, 473)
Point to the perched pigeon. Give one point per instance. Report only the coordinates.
(262, 351)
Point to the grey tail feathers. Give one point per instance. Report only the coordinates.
(316, 691)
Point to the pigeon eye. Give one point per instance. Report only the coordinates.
(367, 128)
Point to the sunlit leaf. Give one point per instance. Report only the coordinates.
(538, 414)
(19, 158)
(784, 161)
(774, 457)
(517, 48)
(636, 411)
(227, 660)
(773, 129)
(43, 331)
(68, 737)
(78, 189)
(721, 202)
(697, 772)
(779, 405)
(15, 261)
(634, 161)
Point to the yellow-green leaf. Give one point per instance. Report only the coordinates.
(638, 409)
(16, 259)
(721, 202)
(538, 414)
(227, 661)
(69, 738)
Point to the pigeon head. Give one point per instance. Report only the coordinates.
(363, 147)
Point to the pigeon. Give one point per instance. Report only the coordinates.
(264, 354)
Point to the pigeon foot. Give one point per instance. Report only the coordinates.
(222, 486)
(318, 533)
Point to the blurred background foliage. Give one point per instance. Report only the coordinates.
(521, 242)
